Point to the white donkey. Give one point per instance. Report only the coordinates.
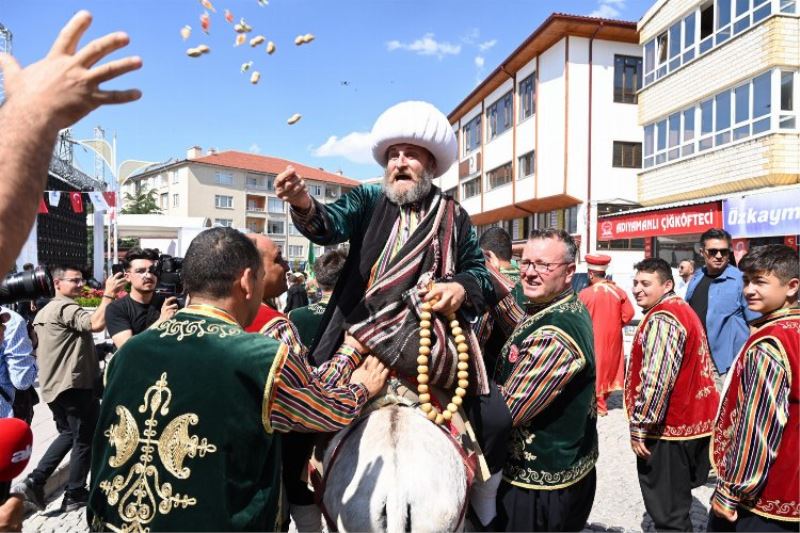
(395, 471)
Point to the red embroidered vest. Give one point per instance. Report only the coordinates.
(694, 398)
(265, 315)
(780, 497)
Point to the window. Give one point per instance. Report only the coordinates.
(223, 202)
(675, 46)
(176, 178)
(293, 229)
(252, 205)
(227, 222)
(472, 134)
(688, 37)
(674, 136)
(526, 165)
(688, 132)
(741, 112)
(787, 120)
(253, 182)
(164, 200)
(627, 78)
(649, 62)
(499, 176)
(627, 154)
(253, 226)
(275, 205)
(649, 144)
(224, 178)
(499, 116)
(295, 250)
(527, 97)
(762, 88)
(723, 120)
(706, 124)
(275, 227)
(271, 183)
(175, 200)
(788, 6)
(471, 188)
(315, 190)
(723, 21)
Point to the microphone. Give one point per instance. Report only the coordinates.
(15, 447)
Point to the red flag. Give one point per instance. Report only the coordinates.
(111, 198)
(77, 201)
(42, 207)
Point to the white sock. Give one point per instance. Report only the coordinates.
(483, 498)
(306, 517)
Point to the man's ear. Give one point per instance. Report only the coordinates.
(247, 281)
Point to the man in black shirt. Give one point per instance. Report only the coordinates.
(142, 308)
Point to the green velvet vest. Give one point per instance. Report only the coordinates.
(558, 447)
(307, 321)
(183, 441)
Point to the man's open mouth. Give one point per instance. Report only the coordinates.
(403, 177)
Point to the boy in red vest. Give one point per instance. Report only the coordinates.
(755, 443)
(670, 398)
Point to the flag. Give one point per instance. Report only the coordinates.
(310, 261)
(76, 200)
(42, 207)
(54, 197)
(98, 201)
(111, 198)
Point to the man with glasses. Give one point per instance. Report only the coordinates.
(142, 308)
(546, 373)
(68, 373)
(715, 294)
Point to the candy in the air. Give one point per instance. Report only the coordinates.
(246, 66)
(299, 40)
(254, 77)
(270, 48)
(228, 16)
(240, 39)
(263, 3)
(186, 31)
(294, 118)
(205, 22)
(198, 51)
(208, 5)
(307, 38)
(203, 48)
(243, 27)
(255, 41)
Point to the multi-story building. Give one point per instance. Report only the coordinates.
(236, 189)
(551, 137)
(719, 109)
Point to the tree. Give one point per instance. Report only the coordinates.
(142, 202)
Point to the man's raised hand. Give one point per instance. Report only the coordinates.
(372, 374)
(290, 187)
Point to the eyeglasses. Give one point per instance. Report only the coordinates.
(712, 252)
(540, 268)
(77, 281)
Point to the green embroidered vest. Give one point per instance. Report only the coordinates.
(183, 441)
(558, 447)
(307, 321)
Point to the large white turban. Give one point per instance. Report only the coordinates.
(417, 123)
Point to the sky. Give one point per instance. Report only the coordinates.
(366, 56)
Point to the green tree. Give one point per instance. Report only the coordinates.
(142, 202)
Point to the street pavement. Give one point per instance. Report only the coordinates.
(617, 506)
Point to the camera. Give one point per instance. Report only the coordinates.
(170, 282)
(28, 285)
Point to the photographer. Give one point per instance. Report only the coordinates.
(142, 308)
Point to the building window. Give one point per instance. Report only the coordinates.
(499, 176)
(525, 166)
(176, 178)
(293, 229)
(471, 133)
(224, 178)
(527, 97)
(275, 205)
(223, 202)
(788, 117)
(627, 154)
(275, 227)
(164, 200)
(253, 182)
(627, 78)
(175, 200)
(295, 250)
(227, 222)
(499, 116)
(271, 183)
(315, 190)
(471, 188)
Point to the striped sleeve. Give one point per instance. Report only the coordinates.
(763, 404)
(547, 361)
(281, 329)
(664, 341)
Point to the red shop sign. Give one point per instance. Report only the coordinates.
(676, 221)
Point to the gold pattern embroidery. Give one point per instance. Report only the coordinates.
(196, 328)
(702, 393)
(140, 494)
(530, 478)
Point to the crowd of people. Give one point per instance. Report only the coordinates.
(206, 415)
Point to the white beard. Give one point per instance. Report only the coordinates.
(413, 195)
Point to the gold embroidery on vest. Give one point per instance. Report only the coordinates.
(140, 494)
(196, 328)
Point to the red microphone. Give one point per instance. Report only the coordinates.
(15, 447)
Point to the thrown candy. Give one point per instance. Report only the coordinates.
(205, 22)
(203, 49)
(208, 5)
(228, 16)
(300, 39)
(243, 27)
(186, 31)
(263, 3)
(294, 118)
(246, 66)
(307, 38)
(270, 48)
(193, 52)
(240, 39)
(254, 77)
(255, 41)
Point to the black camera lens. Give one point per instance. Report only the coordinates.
(27, 286)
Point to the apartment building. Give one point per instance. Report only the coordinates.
(719, 108)
(236, 189)
(550, 137)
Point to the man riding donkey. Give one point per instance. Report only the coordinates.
(415, 279)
